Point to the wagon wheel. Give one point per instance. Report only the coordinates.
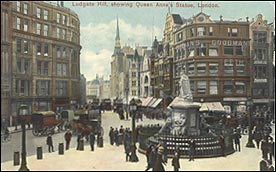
(35, 132)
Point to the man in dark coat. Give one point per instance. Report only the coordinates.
(67, 136)
(222, 144)
(152, 158)
(175, 161)
(79, 137)
(158, 166)
(257, 138)
(236, 137)
(111, 135)
(271, 145)
(127, 150)
(264, 148)
(192, 146)
(49, 142)
(92, 140)
(116, 137)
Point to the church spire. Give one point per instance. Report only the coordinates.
(117, 39)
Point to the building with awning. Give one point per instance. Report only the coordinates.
(151, 102)
(146, 101)
(156, 103)
(212, 106)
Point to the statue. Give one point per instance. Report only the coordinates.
(185, 90)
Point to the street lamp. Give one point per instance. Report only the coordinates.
(23, 110)
(127, 89)
(133, 108)
(249, 143)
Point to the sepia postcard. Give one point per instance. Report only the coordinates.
(137, 85)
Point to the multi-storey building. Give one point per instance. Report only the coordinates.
(173, 22)
(155, 65)
(45, 56)
(6, 60)
(146, 89)
(261, 36)
(216, 57)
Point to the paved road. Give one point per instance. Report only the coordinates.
(108, 119)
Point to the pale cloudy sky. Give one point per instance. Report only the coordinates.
(98, 25)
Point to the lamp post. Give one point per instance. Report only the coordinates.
(127, 89)
(23, 110)
(249, 143)
(133, 108)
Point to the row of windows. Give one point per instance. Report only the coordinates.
(23, 47)
(229, 87)
(43, 29)
(206, 31)
(42, 68)
(230, 68)
(22, 87)
(41, 13)
(209, 51)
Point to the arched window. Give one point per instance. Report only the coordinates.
(146, 80)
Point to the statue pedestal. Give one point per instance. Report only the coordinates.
(185, 117)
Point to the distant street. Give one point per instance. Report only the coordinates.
(108, 119)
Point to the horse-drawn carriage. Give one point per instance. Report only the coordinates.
(82, 120)
(44, 122)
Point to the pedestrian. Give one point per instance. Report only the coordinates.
(111, 135)
(222, 144)
(6, 134)
(165, 154)
(271, 145)
(192, 146)
(264, 148)
(175, 161)
(152, 158)
(158, 166)
(116, 137)
(269, 166)
(121, 135)
(257, 138)
(67, 136)
(236, 137)
(127, 150)
(49, 142)
(92, 140)
(148, 151)
(79, 137)
(263, 165)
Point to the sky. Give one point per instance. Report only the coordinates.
(139, 23)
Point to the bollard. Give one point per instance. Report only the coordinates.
(100, 142)
(81, 144)
(16, 158)
(61, 149)
(39, 152)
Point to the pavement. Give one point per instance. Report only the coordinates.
(113, 158)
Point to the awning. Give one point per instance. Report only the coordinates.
(156, 103)
(151, 102)
(212, 106)
(146, 101)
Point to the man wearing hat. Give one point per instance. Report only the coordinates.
(158, 166)
(67, 136)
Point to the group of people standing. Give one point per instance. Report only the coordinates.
(119, 137)
(68, 137)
